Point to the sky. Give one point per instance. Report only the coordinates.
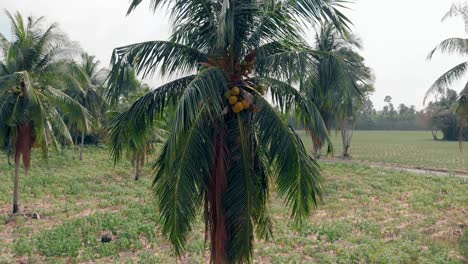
(397, 36)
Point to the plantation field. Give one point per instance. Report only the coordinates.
(367, 216)
(410, 148)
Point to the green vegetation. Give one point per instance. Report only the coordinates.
(367, 215)
(410, 148)
(457, 46)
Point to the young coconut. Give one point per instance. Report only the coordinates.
(235, 90)
(245, 104)
(233, 100)
(238, 107)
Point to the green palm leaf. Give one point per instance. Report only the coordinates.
(140, 117)
(451, 45)
(441, 85)
(180, 180)
(296, 174)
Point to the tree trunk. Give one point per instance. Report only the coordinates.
(316, 145)
(82, 144)
(137, 167)
(346, 135)
(9, 153)
(76, 140)
(215, 220)
(16, 184)
(143, 157)
(434, 133)
(23, 146)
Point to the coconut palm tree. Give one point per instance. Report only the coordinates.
(227, 141)
(33, 71)
(90, 96)
(338, 84)
(137, 152)
(456, 46)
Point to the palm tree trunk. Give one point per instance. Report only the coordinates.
(143, 156)
(9, 152)
(16, 183)
(82, 143)
(346, 134)
(316, 145)
(215, 219)
(137, 168)
(434, 133)
(23, 146)
(76, 140)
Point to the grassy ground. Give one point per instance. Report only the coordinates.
(367, 216)
(411, 148)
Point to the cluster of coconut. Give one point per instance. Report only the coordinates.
(236, 100)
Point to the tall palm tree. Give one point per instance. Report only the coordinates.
(456, 46)
(338, 83)
(33, 72)
(227, 141)
(90, 96)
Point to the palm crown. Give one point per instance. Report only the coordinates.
(227, 141)
(33, 73)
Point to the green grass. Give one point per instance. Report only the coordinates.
(410, 148)
(367, 216)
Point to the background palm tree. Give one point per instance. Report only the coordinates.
(338, 85)
(34, 69)
(444, 82)
(227, 141)
(90, 96)
(137, 152)
(362, 79)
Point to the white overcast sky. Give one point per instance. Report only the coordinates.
(397, 36)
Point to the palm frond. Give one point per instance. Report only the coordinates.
(69, 105)
(285, 65)
(458, 10)
(289, 98)
(441, 85)
(313, 11)
(240, 193)
(144, 111)
(273, 25)
(296, 174)
(206, 88)
(451, 45)
(145, 58)
(180, 180)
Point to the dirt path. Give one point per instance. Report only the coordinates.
(418, 170)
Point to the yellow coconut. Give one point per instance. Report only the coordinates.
(239, 106)
(235, 90)
(233, 100)
(245, 104)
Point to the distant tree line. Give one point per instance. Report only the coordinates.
(402, 117)
(439, 117)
